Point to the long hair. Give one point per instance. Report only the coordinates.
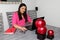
(24, 14)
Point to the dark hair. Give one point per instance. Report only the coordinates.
(24, 14)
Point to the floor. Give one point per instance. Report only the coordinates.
(29, 35)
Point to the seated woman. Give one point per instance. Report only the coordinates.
(20, 18)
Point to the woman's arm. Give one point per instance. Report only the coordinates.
(29, 19)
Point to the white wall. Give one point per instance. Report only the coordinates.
(30, 4)
(51, 10)
(7, 8)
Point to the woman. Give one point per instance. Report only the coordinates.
(20, 18)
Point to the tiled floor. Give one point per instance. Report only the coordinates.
(29, 35)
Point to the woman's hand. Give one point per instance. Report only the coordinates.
(23, 29)
(19, 27)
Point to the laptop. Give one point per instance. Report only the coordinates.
(32, 26)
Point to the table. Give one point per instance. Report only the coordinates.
(29, 35)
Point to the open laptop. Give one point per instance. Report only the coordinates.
(32, 26)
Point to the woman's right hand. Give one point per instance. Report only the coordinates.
(23, 29)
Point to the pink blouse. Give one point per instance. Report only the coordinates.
(15, 19)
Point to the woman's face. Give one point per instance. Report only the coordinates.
(22, 9)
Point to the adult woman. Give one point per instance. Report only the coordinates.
(20, 18)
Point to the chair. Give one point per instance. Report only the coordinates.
(1, 23)
(32, 14)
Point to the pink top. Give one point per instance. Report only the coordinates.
(15, 19)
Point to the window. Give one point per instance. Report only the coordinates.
(10, 1)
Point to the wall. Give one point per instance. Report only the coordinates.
(51, 10)
(30, 4)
